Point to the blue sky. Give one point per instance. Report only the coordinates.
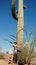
(8, 24)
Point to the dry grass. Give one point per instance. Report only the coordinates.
(1, 55)
(3, 58)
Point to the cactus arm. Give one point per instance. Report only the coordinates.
(13, 9)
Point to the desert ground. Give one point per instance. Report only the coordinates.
(5, 61)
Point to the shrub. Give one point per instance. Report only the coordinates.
(1, 55)
(23, 55)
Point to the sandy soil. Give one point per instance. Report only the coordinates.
(4, 62)
(33, 61)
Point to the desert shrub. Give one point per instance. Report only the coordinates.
(1, 55)
(23, 55)
(31, 50)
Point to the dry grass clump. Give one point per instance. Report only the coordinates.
(26, 54)
(23, 55)
(6, 56)
(2, 55)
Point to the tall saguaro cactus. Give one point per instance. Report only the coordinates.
(20, 27)
(20, 20)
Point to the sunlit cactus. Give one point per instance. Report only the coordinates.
(25, 55)
(13, 9)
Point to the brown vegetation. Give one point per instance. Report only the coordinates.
(4, 59)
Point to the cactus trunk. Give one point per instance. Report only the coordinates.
(20, 24)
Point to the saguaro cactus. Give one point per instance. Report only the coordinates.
(19, 17)
(13, 9)
(20, 23)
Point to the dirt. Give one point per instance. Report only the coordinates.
(33, 61)
(4, 62)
